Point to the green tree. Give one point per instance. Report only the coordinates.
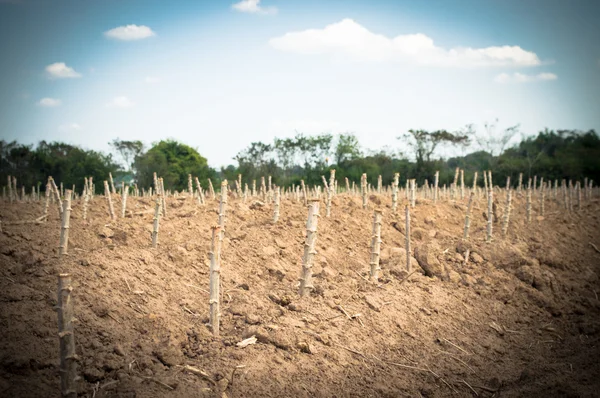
(172, 161)
(347, 148)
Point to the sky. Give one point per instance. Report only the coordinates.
(218, 75)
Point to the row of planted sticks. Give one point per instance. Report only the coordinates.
(301, 192)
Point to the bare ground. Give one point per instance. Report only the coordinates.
(521, 318)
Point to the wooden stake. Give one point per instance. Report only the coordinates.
(68, 358)
(47, 193)
(112, 184)
(395, 192)
(528, 205)
(490, 209)
(215, 279)
(222, 210)
(363, 190)
(407, 238)
(109, 199)
(306, 285)
(125, 193)
(277, 203)
(435, 186)
(468, 216)
(156, 222)
(375, 245)
(506, 217)
(64, 229)
(330, 189)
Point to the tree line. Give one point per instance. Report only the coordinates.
(552, 154)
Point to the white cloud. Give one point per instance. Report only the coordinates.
(49, 102)
(69, 127)
(152, 79)
(59, 70)
(253, 7)
(130, 32)
(517, 77)
(351, 39)
(120, 102)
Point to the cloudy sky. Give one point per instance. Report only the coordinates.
(218, 75)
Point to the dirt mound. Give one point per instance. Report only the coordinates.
(515, 317)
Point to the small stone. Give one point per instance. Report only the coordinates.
(476, 258)
(454, 276)
(305, 347)
(253, 319)
(106, 232)
(84, 262)
(119, 350)
(373, 303)
(93, 375)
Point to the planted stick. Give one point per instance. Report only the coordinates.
(156, 222)
(190, 186)
(211, 190)
(462, 184)
(47, 193)
(109, 199)
(379, 184)
(10, 190)
(86, 199)
(163, 196)
(578, 189)
(68, 358)
(277, 203)
(468, 216)
(375, 245)
(330, 192)
(407, 238)
(475, 183)
(528, 205)
(125, 193)
(222, 209)
(506, 217)
(542, 200)
(64, 229)
(57, 195)
(306, 285)
(215, 280)
(199, 190)
(363, 190)
(435, 186)
(112, 184)
(490, 210)
(304, 195)
(395, 191)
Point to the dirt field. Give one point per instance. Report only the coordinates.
(520, 318)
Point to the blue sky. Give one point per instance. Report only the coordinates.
(218, 75)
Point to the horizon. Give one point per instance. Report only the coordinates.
(218, 76)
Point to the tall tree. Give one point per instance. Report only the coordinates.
(172, 161)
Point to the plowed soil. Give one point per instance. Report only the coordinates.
(519, 318)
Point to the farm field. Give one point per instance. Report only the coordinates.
(520, 316)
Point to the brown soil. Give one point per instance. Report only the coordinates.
(520, 319)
